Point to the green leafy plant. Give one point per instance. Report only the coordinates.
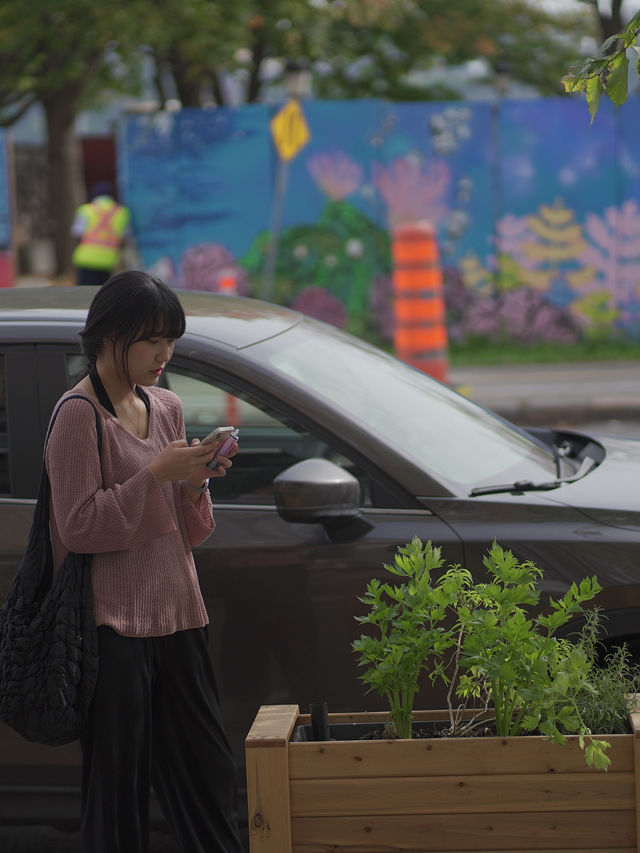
(411, 634)
(607, 72)
(532, 676)
(481, 639)
(614, 677)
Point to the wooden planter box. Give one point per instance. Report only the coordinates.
(462, 794)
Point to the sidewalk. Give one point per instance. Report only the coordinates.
(554, 394)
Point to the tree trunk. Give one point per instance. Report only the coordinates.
(218, 91)
(158, 66)
(611, 23)
(258, 53)
(188, 83)
(64, 174)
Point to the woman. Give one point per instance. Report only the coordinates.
(139, 507)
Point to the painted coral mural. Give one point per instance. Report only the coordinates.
(528, 218)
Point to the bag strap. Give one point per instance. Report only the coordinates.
(40, 524)
(38, 574)
(95, 411)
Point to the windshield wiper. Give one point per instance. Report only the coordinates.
(521, 486)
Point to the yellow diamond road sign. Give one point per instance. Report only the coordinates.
(290, 130)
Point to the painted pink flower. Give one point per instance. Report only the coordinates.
(413, 193)
(614, 251)
(335, 173)
(209, 266)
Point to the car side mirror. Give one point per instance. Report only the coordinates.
(316, 491)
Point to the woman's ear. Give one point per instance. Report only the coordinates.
(107, 347)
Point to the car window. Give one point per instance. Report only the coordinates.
(207, 406)
(446, 434)
(268, 445)
(76, 366)
(5, 481)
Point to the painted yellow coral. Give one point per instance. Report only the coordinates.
(578, 279)
(537, 279)
(556, 214)
(474, 275)
(560, 236)
(550, 254)
(597, 311)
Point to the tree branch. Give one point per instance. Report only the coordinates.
(6, 121)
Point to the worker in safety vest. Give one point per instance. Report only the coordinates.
(101, 227)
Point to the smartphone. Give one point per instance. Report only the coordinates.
(229, 436)
(218, 433)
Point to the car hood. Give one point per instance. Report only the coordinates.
(610, 494)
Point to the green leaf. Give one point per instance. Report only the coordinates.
(572, 84)
(595, 754)
(593, 91)
(612, 41)
(617, 80)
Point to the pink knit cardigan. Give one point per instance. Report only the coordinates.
(140, 531)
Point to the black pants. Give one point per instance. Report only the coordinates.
(155, 719)
(91, 277)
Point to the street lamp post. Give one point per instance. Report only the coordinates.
(297, 85)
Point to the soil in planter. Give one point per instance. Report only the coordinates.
(420, 730)
(373, 731)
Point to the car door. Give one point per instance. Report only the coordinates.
(35, 781)
(19, 454)
(281, 596)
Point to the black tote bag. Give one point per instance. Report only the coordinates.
(48, 637)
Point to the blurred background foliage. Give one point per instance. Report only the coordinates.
(69, 55)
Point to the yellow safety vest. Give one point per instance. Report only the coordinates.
(99, 246)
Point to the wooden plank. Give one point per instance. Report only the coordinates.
(448, 833)
(268, 779)
(449, 757)
(382, 717)
(329, 848)
(462, 794)
(634, 719)
(268, 799)
(272, 726)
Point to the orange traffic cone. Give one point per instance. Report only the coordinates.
(420, 332)
(228, 282)
(232, 411)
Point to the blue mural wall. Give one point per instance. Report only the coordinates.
(534, 211)
(6, 258)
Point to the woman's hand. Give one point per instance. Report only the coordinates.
(178, 461)
(224, 462)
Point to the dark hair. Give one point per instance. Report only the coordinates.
(131, 306)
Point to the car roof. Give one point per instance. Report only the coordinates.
(231, 320)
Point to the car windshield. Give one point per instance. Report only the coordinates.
(442, 431)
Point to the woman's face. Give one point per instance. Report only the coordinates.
(147, 359)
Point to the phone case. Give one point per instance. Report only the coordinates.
(226, 447)
(226, 431)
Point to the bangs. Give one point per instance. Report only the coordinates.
(131, 306)
(166, 321)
